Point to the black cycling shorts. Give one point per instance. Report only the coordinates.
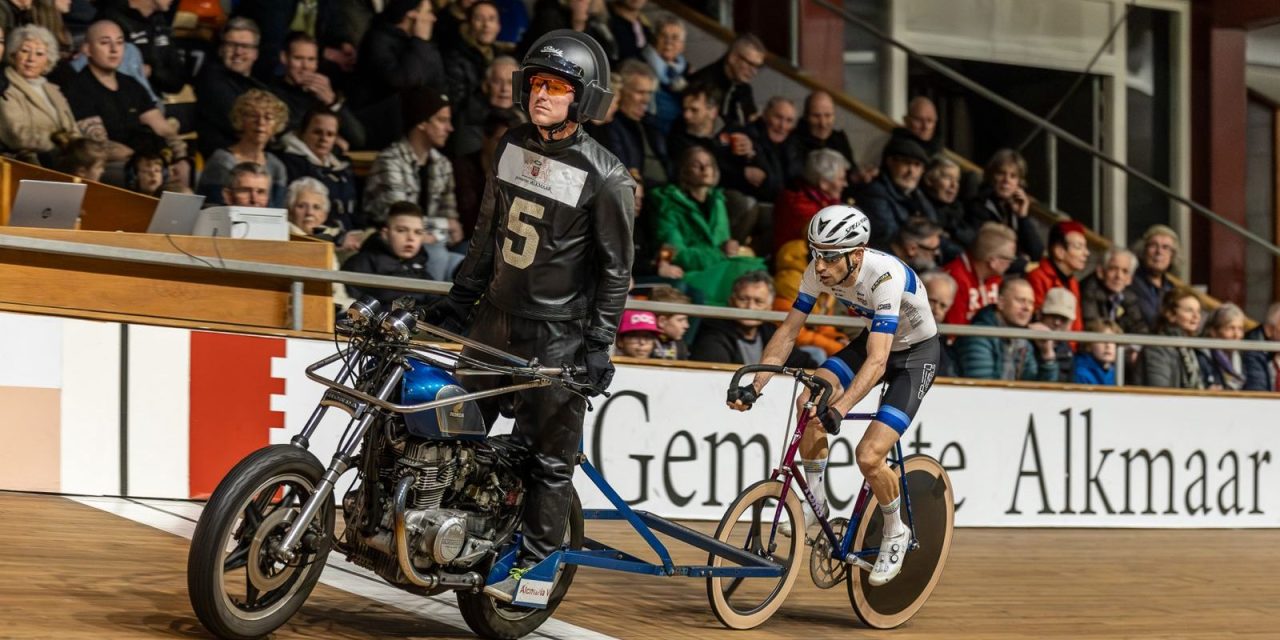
(908, 375)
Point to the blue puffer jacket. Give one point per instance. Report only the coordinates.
(1089, 371)
(985, 358)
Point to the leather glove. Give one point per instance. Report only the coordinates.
(599, 371)
(447, 314)
(746, 394)
(830, 418)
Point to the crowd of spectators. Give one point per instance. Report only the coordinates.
(285, 90)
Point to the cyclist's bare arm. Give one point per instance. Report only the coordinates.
(878, 347)
(776, 351)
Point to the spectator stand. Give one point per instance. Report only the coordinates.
(867, 127)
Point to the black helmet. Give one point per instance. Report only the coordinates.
(576, 57)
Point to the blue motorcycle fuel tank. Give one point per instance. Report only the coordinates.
(424, 382)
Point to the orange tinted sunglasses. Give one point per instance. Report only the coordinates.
(555, 87)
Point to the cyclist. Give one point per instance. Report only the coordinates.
(901, 349)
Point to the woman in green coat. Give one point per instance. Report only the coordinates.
(692, 222)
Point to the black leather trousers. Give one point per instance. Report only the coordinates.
(548, 419)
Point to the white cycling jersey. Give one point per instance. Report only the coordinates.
(886, 291)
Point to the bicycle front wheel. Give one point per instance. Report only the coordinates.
(933, 511)
(745, 603)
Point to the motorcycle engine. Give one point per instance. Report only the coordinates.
(464, 500)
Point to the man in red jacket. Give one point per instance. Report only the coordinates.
(979, 271)
(1068, 254)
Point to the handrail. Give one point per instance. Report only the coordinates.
(269, 270)
(245, 267)
(1146, 340)
(779, 64)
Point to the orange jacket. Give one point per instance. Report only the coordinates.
(825, 338)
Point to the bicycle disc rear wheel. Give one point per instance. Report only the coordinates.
(934, 511)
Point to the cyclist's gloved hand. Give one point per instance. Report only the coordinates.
(746, 394)
(599, 371)
(830, 418)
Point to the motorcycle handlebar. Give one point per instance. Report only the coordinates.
(567, 374)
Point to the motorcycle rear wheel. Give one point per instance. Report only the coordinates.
(489, 618)
(237, 588)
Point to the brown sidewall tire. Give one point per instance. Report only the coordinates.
(726, 613)
(933, 506)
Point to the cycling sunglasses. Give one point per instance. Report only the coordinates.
(828, 255)
(555, 87)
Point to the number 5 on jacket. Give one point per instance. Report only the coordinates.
(517, 226)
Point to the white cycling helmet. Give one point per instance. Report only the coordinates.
(840, 227)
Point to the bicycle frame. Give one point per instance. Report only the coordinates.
(789, 471)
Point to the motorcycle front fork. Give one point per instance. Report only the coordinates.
(287, 549)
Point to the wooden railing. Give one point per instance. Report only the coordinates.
(119, 218)
(155, 291)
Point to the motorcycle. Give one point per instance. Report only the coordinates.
(436, 502)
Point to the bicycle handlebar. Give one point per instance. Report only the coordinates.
(809, 380)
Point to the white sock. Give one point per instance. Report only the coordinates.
(815, 473)
(892, 518)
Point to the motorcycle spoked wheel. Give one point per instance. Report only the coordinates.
(489, 618)
(237, 588)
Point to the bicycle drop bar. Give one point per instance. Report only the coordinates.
(812, 382)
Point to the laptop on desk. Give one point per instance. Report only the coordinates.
(48, 205)
(176, 214)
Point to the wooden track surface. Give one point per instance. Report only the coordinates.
(73, 571)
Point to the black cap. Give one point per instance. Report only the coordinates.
(418, 104)
(396, 10)
(905, 148)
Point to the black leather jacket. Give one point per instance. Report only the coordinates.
(554, 236)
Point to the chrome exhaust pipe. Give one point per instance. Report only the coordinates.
(402, 538)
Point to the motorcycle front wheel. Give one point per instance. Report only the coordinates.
(238, 589)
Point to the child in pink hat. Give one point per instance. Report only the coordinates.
(638, 333)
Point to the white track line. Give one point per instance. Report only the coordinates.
(176, 517)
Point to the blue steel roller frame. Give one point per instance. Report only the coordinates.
(645, 524)
(601, 556)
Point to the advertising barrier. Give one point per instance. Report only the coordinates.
(106, 408)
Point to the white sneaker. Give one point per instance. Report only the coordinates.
(810, 521)
(889, 562)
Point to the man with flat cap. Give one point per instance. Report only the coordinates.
(894, 196)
